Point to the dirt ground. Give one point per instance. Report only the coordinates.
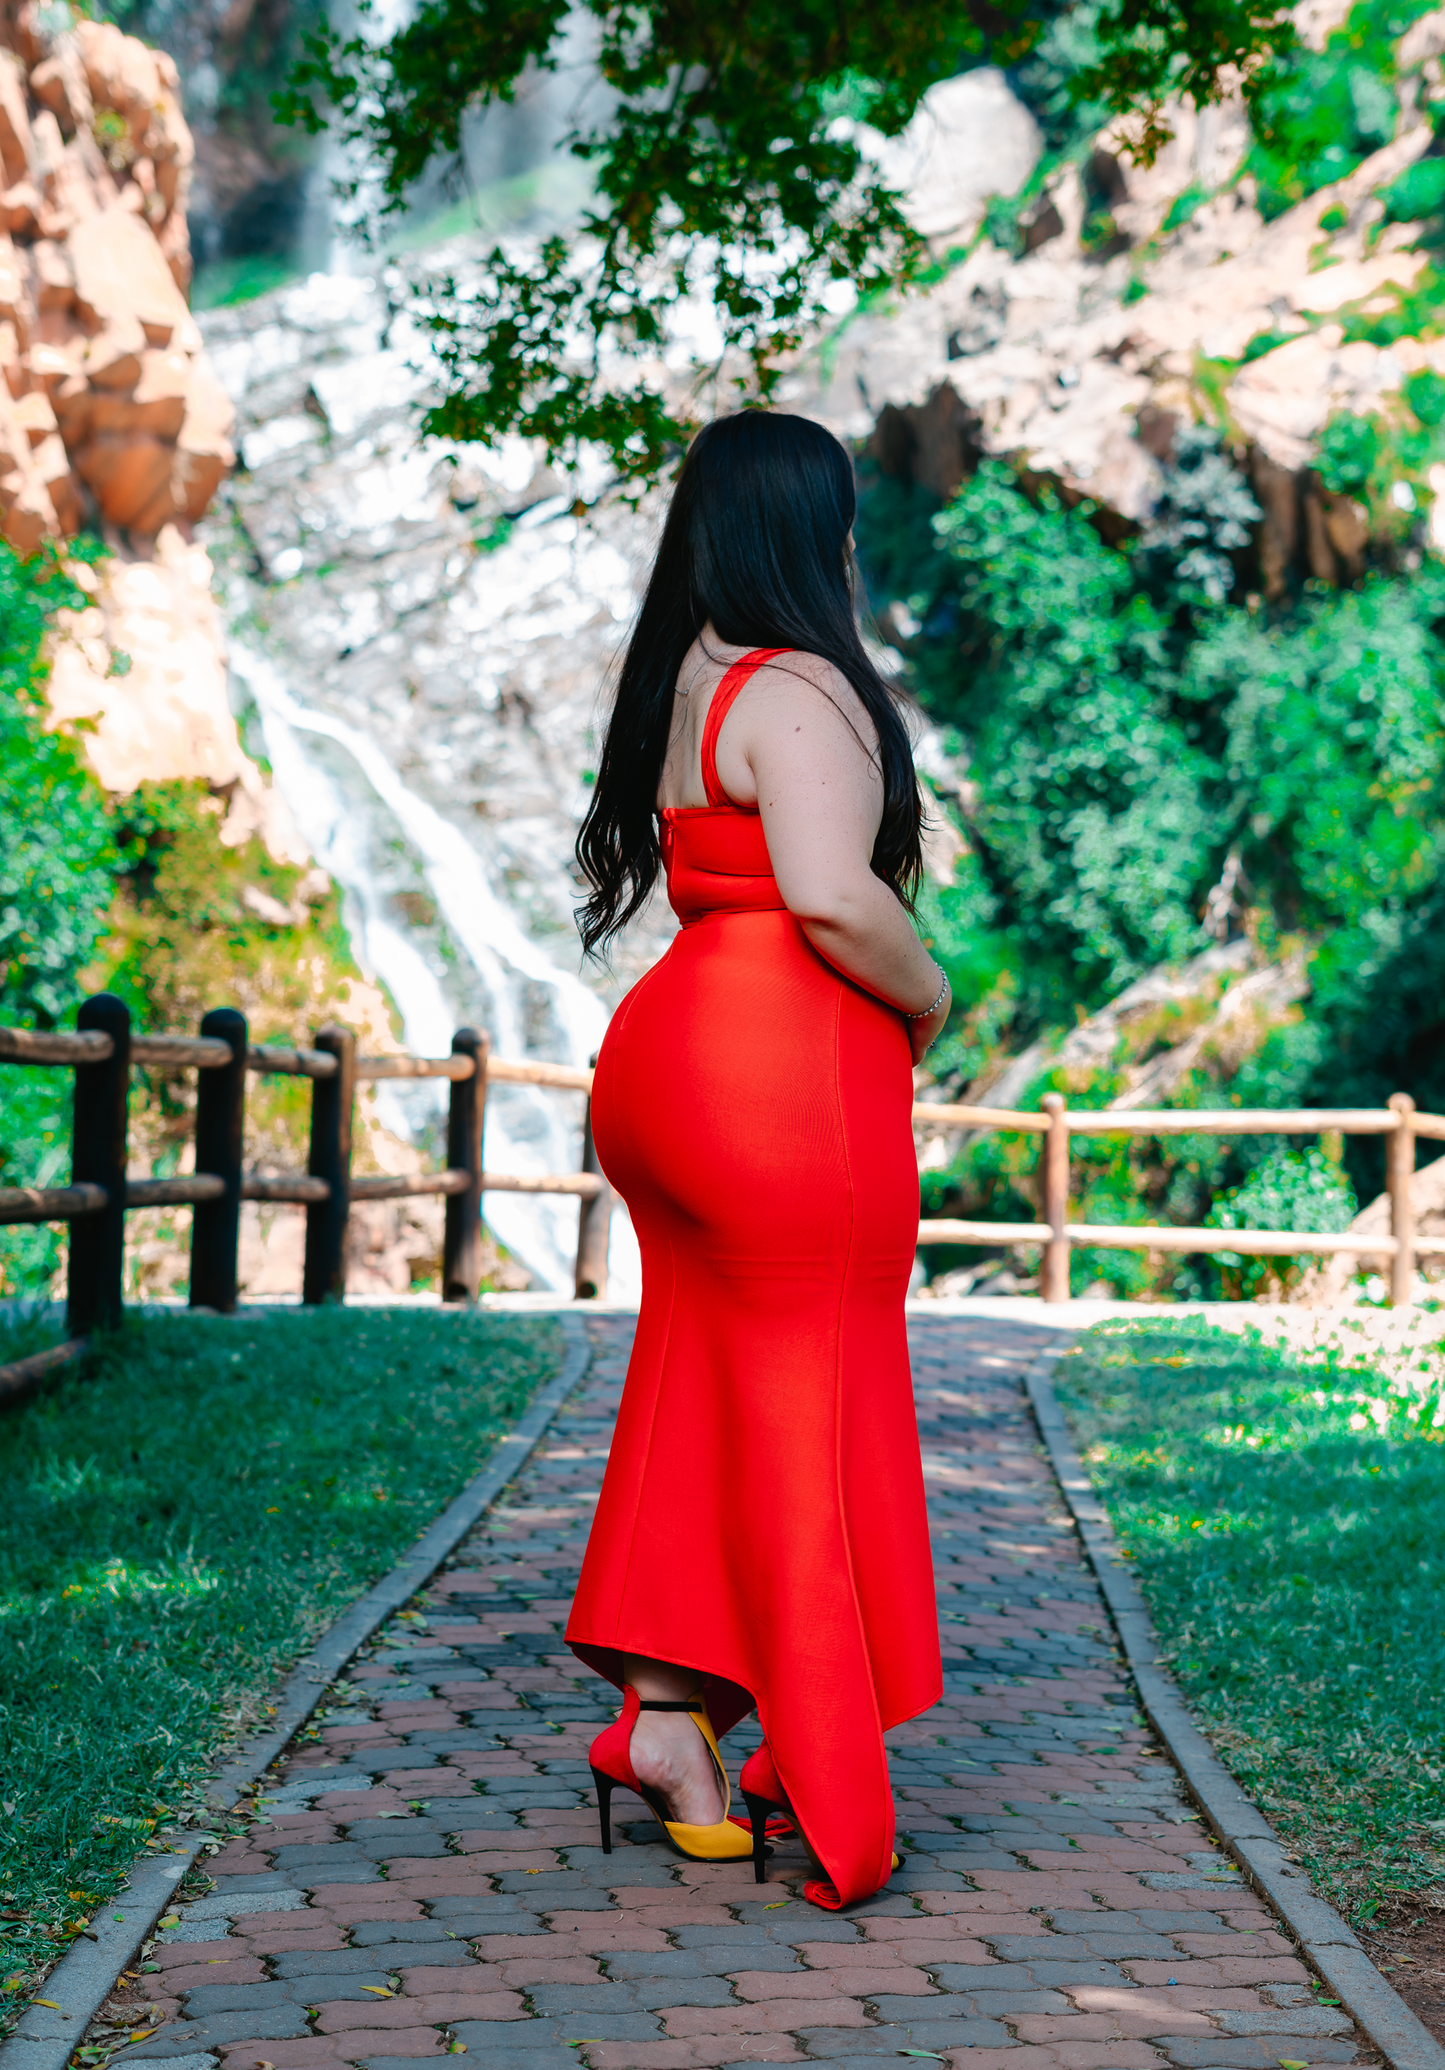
(1412, 1955)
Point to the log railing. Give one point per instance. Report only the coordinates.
(1057, 1235)
(103, 1051)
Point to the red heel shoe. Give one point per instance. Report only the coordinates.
(763, 1792)
(610, 1758)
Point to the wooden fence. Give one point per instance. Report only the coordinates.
(104, 1049)
(1057, 1235)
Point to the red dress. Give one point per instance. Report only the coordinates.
(762, 1517)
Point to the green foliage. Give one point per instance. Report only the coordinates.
(56, 850)
(182, 1517)
(1124, 733)
(1415, 193)
(1318, 115)
(1383, 458)
(1091, 808)
(1282, 1520)
(139, 896)
(1288, 1189)
(57, 858)
(729, 165)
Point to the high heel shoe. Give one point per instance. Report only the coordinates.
(763, 1792)
(611, 1762)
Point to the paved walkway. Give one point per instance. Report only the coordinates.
(429, 1877)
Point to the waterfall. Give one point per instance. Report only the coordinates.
(418, 640)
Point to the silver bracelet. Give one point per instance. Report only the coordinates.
(923, 1014)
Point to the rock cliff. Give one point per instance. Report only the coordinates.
(108, 405)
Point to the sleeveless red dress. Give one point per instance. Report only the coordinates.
(762, 1517)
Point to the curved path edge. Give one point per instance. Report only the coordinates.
(85, 1976)
(1325, 1939)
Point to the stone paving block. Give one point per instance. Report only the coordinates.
(1060, 1975)
(368, 1933)
(307, 2052)
(221, 1998)
(599, 1996)
(340, 2016)
(479, 1902)
(398, 2062)
(1284, 2019)
(772, 2018)
(928, 2026)
(313, 1989)
(846, 2044)
(666, 1962)
(498, 2037)
(1224, 2052)
(682, 1991)
(270, 2021)
(999, 2004)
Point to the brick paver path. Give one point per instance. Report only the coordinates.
(429, 1876)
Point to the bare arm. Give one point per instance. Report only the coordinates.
(793, 741)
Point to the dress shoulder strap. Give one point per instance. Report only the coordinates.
(717, 711)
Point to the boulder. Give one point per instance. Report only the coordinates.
(97, 345)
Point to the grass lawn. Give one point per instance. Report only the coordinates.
(1287, 1524)
(180, 1518)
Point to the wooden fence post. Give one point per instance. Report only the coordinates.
(332, 1100)
(466, 1125)
(1399, 1171)
(220, 1144)
(1054, 1278)
(98, 1157)
(594, 1221)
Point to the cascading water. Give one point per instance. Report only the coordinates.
(529, 1130)
(421, 671)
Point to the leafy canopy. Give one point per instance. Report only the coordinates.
(728, 167)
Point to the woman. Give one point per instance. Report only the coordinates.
(760, 1537)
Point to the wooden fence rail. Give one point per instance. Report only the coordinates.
(104, 1050)
(1057, 1235)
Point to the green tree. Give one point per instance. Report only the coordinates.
(56, 863)
(729, 166)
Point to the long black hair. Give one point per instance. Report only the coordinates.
(756, 541)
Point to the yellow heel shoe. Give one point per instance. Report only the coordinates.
(610, 1759)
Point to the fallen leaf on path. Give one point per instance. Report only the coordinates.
(49, 2002)
(380, 1990)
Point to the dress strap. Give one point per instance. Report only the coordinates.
(717, 711)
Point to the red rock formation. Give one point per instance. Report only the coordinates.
(108, 405)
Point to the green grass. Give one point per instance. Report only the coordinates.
(181, 1517)
(1287, 1524)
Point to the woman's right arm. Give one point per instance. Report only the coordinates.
(820, 795)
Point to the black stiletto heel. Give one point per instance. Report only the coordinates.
(758, 1809)
(604, 1807)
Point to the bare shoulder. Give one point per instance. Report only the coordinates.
(808, 690)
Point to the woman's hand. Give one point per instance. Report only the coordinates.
(925, 1031)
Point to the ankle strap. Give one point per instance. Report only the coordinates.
(691, 1703)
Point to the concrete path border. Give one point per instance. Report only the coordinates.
(1324, 1938)
(85, 1976)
